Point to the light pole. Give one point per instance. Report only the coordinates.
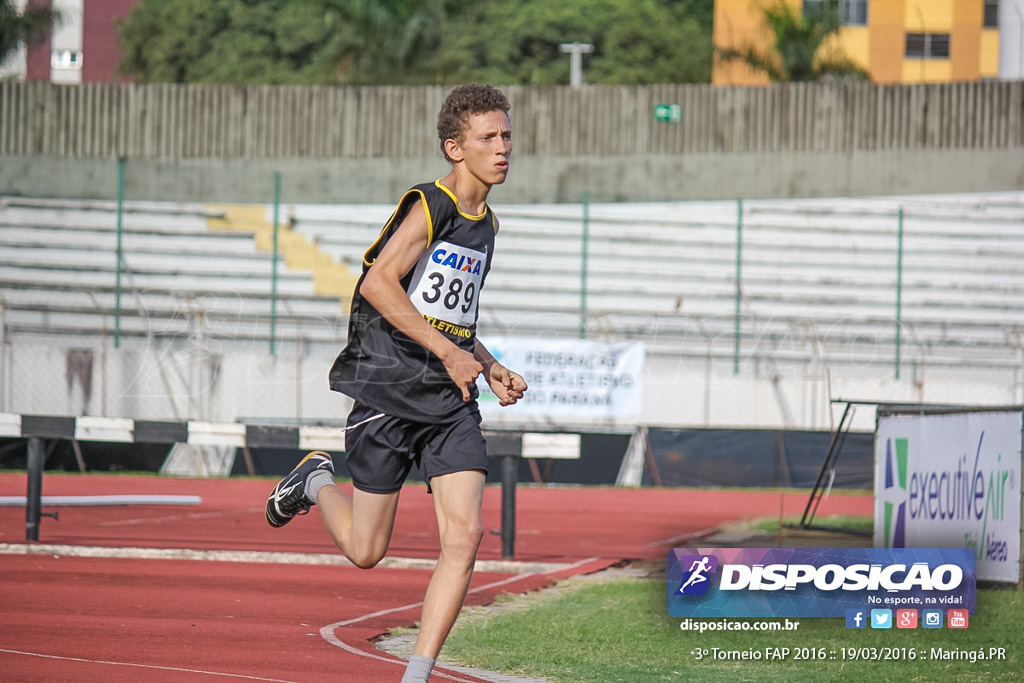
(576, 51)
(925, 40)
(1020, 38)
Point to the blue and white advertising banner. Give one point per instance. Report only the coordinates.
(818, 582)
(944, 480)
(570, 377)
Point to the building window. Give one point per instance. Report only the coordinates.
(851, 12)
(991, 16)
(927, 46)
(66, 59)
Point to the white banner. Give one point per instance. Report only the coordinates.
(951, 481)
(570, 378)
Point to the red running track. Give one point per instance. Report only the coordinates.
(65, 617)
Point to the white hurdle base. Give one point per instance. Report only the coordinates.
(81, 501)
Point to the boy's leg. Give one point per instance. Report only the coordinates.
(457, 500)
(377, 459)
(360, 526)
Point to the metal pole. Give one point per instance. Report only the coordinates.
(273, 275)
(509, 476)
(576, 51)
(1020, 59)
(899, 288)
(805, 521)
(583, 265)
(120, 251)
(3, 359)
(34, 494)
(739, 287)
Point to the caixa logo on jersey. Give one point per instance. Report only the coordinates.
(817, 582)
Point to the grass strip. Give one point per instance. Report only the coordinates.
(856, 524)
(595, 631)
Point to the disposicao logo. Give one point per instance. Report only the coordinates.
(823, 582)
(695, 580)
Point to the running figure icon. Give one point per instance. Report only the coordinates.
(697, 569)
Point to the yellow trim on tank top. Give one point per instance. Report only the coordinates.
(457, 207)
(426, 210)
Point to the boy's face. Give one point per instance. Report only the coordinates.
(485, 146)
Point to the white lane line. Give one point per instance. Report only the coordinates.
(176, 518)
(271, 557)
(93, 501)
(684, 537)
(574, 565)
(327, 632)
(144, 666)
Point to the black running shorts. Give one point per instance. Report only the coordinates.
(380, 453)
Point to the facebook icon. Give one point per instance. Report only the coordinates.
(856, 618)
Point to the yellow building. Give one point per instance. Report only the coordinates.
(895, 41)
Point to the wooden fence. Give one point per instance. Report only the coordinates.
(190, 121)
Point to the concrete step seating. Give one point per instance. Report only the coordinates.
(184, 267)
(819, 278)
(813, 272)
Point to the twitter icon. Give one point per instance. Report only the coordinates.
(881, 618)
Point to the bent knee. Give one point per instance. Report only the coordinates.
(365, 560)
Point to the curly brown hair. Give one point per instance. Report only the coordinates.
(462, 102)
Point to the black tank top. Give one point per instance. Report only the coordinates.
(383, 368)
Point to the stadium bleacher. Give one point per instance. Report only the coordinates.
(58, 275)
(817, 276)
(854, 286)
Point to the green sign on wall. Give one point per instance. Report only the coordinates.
(668, 112)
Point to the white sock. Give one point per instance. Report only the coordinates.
(418, 670)
(315, 482)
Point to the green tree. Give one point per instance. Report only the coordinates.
(798, 50)
(414, 41)
(285, 41)
(701, 11)
(232, 41)
(229, 41)
(398, 41)
(26, 28)
(635, 41)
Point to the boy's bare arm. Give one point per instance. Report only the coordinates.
(508, 386)
(383, 289)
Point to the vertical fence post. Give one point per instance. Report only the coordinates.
(273, 265)
(739, 287)
(34, 494)
(509, 476)
(583, 265)
(899, 287)
(120, 251)
(3, 359)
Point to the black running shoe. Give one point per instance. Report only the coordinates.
(289, 496)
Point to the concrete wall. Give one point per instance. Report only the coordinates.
(185, 380)
(368, 144)
(548, 179)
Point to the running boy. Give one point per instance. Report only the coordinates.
(411, 365)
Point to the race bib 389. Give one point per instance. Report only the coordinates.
(446, 283)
